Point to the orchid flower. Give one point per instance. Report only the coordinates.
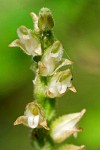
(32, 117)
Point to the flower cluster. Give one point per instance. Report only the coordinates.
(51, 79)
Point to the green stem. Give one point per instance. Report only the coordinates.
(49, 108)
(41, 140)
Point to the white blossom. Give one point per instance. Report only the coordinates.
(33, 117)
(52, 60)
(28, 41)
(65, 126)
(59, 83)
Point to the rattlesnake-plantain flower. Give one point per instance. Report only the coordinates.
(65, 126)
(33, 117)
(28, 41)
(59, 83)
(52, 60)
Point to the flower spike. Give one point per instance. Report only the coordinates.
(52, 78)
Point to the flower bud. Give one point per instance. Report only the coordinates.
(35, 21)
(71, 147)
(28, 42)
(65, 126)
(52, 60)
(59, 83)
(33, 117)
(45, 21)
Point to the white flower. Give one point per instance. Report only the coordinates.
(33, 117)
(59, 83)
(28, 41)
(72, 147)
(65, 126)
(52, 60)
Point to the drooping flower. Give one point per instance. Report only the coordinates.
(72, 147)
(65, 126)
(59, 83)
(52, 60)
(32, 117)
(28, 42)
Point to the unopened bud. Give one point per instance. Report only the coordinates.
(45, 21)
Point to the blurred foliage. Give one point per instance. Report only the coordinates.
(77, 26)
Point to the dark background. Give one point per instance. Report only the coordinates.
(77, 26)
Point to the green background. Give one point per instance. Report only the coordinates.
(77, 26)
